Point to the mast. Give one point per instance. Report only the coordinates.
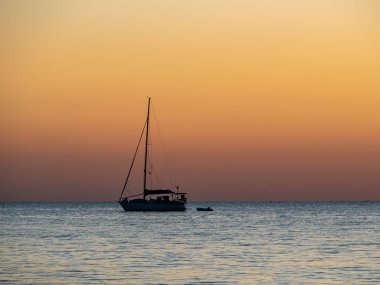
(146, 147)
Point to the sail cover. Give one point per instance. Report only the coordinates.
(158, 191)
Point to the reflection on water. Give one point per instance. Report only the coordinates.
(246, 243)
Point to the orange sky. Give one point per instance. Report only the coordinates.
(256, 100)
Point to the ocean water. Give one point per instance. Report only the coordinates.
(238, 243)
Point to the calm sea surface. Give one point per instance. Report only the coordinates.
(238, 243)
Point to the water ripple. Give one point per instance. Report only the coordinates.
(238, 243)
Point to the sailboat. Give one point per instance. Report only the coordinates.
(151, 199)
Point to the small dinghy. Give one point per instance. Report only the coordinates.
(205, 209)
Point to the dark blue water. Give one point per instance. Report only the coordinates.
(238, 243)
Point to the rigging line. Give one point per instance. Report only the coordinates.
(158, 181)
(161, 146)
(172, 176)
(154, 173)
(171, 169)
(133, 160)
(150, 159)
(151, 172)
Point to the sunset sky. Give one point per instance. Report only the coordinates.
(255, 100)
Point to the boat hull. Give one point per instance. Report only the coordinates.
(156, 206)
